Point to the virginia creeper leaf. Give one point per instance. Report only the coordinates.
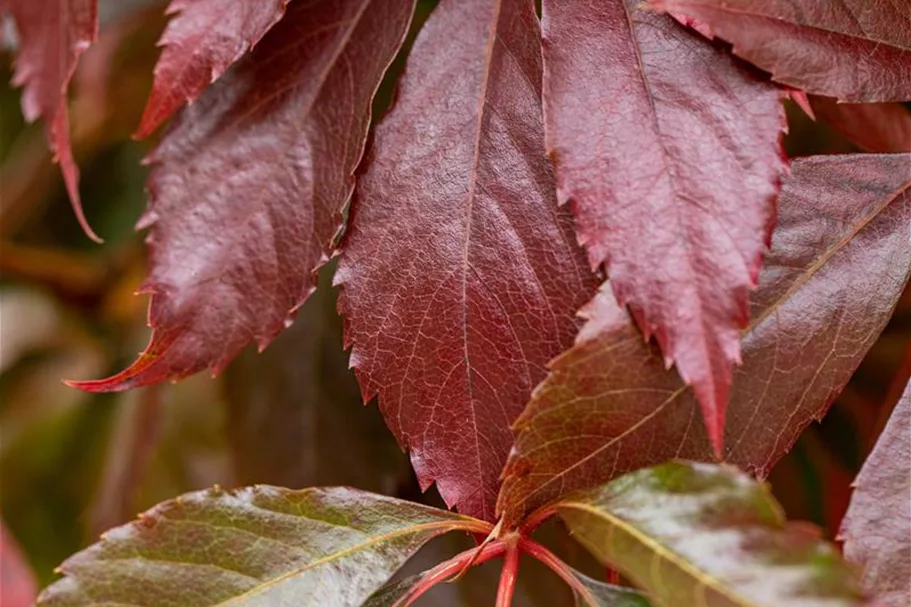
(256, 546)
(855, 50)
(669, 149)
(52, 36)
(459, 272)
(17, 582)
(247, 188)
(202, 40)
(840, 258)
(608, 595)
(696, 534)
(873, 127)
(877, 527)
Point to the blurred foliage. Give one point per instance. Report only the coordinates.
(73, 464)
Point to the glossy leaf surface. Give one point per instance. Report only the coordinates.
(696, 534)
(608, 595)
(202, 40)
(256, 546)
(877, 527)
(840, 258)
(855, 50)
(460, 274)
(668, 148)
(52, 36)
(873, 127)
(247, 188)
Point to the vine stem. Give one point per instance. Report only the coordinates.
(535, 519)
(555, 564)
(509, 573)
(451, 568)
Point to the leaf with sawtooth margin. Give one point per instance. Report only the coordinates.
(855, 50)
(840, 259)
(51, 37)
(261, 546)
(698, 534)
(202, 40)
(248, 186)
(459, 273)
(877, 527)
(668, 149)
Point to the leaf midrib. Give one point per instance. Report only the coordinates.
(442, 526)
(820, 262)
(699, 576)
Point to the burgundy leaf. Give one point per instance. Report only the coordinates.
(52, 36)
(17, 582)
(877, 527)
(669, 149)
(202, 40)
(248, 186)
(873, 127)
(855, 50)
(840, 258)
(460, 273)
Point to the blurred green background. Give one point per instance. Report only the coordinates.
(73, 464)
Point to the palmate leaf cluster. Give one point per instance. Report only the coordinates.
(571, 251)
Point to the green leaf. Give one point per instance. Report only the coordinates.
(702, 535)
(608, 595)
(260, 546)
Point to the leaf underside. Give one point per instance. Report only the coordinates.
(248, 186)
(840, 259)
(668, 148)
(257, 546)
(850, 49)
(695, 534)
(877, 527)
(51, 39)
(460, 277)
(202, 40)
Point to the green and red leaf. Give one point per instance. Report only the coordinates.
(256, 546)
(696, 534)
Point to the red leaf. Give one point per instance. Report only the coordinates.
(17, 582)
(52, 36)
(460, 273)
(840, 258)
(248, 186)
(855, 50)
(877, 527)
(669, 150)
(873, 127)
(203, 39)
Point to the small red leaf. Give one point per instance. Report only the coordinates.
(52, 36)
(855, 50)
(202, 40)
(248, 187)
(459, 272)
(840, 259)
(669, 150)
(877, 527)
